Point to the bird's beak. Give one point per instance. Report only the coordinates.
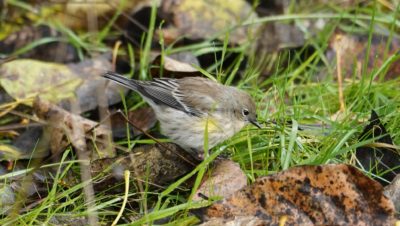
(254, 122)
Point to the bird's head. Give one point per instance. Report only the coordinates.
(245, 109)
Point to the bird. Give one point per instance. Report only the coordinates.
(186, 107)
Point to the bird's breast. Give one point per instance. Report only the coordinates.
(191, 131)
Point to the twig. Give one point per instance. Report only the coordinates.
(78, 141)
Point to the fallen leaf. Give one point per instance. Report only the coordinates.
(392, 191)
(7, 198)
(94, 85)
(82, 14)
(204, 19)
(55, 51)
(380, 158)
(59, 127)
(352, 50)
(187, 58)
(171, 68)
(308, 195)
(225, 179)
(171, 64)
(24, 79)
(144, 118)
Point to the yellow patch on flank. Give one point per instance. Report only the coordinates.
(210, 123)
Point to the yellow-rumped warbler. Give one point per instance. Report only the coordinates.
(186, 107)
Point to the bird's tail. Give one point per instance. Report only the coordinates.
(129, 83)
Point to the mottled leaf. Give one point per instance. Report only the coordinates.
(27, 78)
(55, 82)
(308, 195)
(204, 19)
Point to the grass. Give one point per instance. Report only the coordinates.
(294, 92)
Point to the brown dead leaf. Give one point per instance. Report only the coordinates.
(144, 118)
(309, 195)
(60, 124)
(225, 179)
(169, 67)
(352, 49)
(204, 19)
(174, 65)
(186, 57)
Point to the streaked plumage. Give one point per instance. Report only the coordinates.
(185, 106)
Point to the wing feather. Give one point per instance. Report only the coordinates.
(166, 91)
(185, 94)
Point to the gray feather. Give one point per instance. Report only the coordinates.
(128, 83)
(160, 91)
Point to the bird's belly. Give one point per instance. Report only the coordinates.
(189, 131)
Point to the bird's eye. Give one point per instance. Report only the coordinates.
(245, 112)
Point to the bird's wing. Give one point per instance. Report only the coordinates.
(167, 92)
